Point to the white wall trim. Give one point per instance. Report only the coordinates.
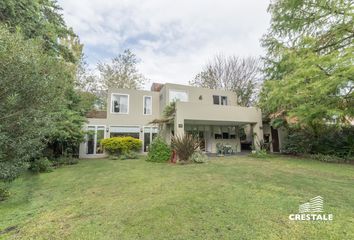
(144, 104)
(177, 90)
(111, 103)
(95, 139)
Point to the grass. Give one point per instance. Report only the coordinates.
(227, 198)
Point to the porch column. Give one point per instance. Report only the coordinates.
(257, 133)
(179, 122)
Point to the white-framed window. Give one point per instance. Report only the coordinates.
(93, 139)
(219, 100)
(147, 105)
(178, 95)
(120, 103)
(149, 135)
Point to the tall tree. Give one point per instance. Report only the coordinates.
(39, 19)
(122, 72)
(309, 65)
(39, 107)
(33, 88)
(241, 75)
(89, 87)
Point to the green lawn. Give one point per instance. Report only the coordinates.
(227, 198)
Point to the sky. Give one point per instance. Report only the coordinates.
(173, 39)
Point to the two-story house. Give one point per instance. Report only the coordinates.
(212, 115)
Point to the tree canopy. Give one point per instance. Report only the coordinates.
(241, 75)
(122, 72)
(33, 87)
(40, 106)
(40, 19)
(309, 66)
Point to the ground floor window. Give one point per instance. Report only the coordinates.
(125, 131)
(134, 135)
(225, 132)
(149, 135)
(93, 139)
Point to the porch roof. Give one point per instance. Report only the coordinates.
(216, 114)
(213, 123)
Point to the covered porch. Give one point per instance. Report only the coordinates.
(216, 137)
(218, 125)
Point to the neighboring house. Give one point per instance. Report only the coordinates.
(211, 115)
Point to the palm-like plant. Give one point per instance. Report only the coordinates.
(184, 145)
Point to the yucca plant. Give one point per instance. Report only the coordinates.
(184, 145)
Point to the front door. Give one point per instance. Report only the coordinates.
(275, 139)
(149, 134)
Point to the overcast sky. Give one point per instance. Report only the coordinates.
(173, 38)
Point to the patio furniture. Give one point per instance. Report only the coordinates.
(228, 150)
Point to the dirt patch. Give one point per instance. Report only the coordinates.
(7, 230)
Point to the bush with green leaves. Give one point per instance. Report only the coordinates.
(199, 157)
(32, 87)
(184, 145)
(326, 140)
(35, 86)
(65, 160)
(120, 145)
(159, 151)
(41, 165)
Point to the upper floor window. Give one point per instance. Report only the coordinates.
(219, 100)
(178, 96)
(147, 105)
(120, 103)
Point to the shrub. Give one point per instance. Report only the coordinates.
(185, 146)
(119, 145)
(65, 160)
(327, 158)
(159, 151)
(72, 161)
(199, 157)
(297, 142)
(326, 140)
(41, 165)
(128, 155)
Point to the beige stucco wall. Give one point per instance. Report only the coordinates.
(194, 94)
(195, 109)
(217, 115)
(135, 115)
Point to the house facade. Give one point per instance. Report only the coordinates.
(213, 116)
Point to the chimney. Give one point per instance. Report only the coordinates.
(156, 87)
